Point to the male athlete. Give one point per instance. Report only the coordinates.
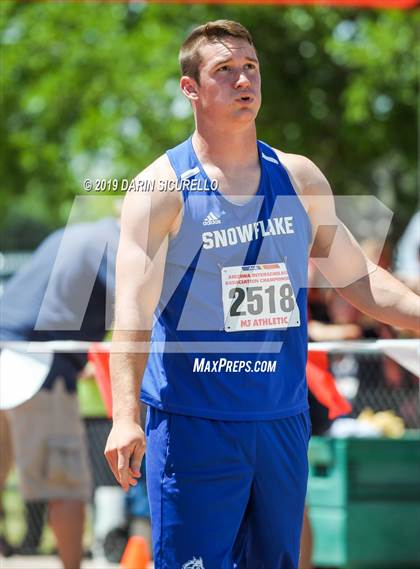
(219, 275)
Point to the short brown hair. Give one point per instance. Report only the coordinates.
(189, 55)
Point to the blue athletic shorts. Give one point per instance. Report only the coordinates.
(226, 494)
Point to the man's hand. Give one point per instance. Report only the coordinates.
(147, 221)
(124, 451)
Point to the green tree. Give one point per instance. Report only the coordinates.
(91, 91)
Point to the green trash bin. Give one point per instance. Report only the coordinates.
(364, 502)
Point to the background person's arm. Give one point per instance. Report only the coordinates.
(146, 223)
(341, 260)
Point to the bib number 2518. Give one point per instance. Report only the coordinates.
(258, 297)
(254, 298)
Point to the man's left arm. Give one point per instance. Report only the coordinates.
(385, 298)
(340, 258)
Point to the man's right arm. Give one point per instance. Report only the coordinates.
(147, 221)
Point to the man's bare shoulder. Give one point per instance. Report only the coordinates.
(306, 177)
(160, 174)
(161, 167)
(149, 198)
(154, 183)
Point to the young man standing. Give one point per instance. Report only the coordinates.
(220, 276)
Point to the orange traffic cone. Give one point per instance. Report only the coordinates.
(136, 554)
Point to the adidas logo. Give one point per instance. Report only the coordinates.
(211, 219)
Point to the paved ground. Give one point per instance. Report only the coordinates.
(51, 562)
(48, 562)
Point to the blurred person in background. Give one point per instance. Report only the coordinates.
(62, 293)
(379, 371)
(34, 511)
(321, 328)
(334, 318)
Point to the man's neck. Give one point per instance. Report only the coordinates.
(226, 149)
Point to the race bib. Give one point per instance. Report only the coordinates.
(258, 297)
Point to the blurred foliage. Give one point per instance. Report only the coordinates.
(91, 91)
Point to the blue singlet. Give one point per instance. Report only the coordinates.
(234, 361)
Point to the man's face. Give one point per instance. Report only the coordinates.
(230, 82)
